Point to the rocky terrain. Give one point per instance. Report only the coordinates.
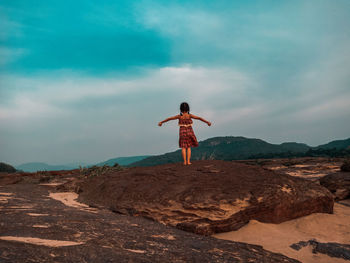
(207, 197)
(311, 168)
(39, 224)
(41, 220)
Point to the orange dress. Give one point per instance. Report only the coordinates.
(187, 138)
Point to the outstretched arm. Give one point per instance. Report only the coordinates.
(169, 119)
(201, 119)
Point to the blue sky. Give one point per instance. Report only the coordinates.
(89, 80)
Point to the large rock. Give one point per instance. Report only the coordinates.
(338, 183)
(37, 228)
(208, 196)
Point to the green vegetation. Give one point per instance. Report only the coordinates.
(241, 148)
(98, 170)
(123, 160)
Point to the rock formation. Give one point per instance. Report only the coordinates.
(37, 228)
(338, 183)
(206, 197)
(331, 249)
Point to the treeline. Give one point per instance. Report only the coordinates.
(6, 168)
(333, 152)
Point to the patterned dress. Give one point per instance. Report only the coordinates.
(187, 138)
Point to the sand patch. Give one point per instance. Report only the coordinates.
(41, 242)
(69, 199)
(136, 251)
(278, 237)
(306, 174)
(309, 171)
(276, 167)
(286, 189)
(302, 165)
(4, 197)
(35, 214)
(20, 207)
(42, 226)
(169, 237)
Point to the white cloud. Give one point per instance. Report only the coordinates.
(68, 117)
(42, 95)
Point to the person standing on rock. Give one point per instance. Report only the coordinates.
(187, 138)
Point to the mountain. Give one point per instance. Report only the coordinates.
(217, 148)
(229, 148)
(123, 160)
(4, 167)
(240, 148)
(338, 144)
(33, 167)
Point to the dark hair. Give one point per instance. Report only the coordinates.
(184, 107)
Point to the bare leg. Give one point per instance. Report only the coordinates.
(184, 155)
(188, 155)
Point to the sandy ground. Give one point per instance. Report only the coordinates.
(69, 199)
(278, 237)
(41, 241)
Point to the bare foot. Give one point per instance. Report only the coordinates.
(189, 163)
(185, 163)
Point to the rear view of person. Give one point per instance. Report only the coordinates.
(187, 138)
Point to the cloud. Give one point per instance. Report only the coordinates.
(198, 84)
(106, 117)
(111, 116)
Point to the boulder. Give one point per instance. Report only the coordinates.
(345, 166)
(206, 197)
(338, 183)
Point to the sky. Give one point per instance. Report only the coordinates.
(85, 81)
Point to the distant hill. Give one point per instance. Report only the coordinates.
(217, 148)
(338, 144)
(240, 148)
(4, 167)
(38, 166)
(33, 167)
(227, 148)
(123, 160)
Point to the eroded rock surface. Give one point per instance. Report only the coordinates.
(312, 168)
(338, 183)
(208, 196)
(37, 228)
(331, 249)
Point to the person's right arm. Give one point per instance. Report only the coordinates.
(169, 119)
